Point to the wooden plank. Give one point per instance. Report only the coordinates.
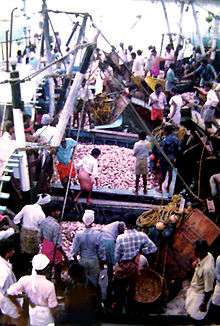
(197, 226)
(4, 195)
(5, 178)
(3, 208)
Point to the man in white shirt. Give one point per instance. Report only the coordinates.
(138, 65)
(210, 105)
(45, 134)
(9, 309)
(88, 173)
(40, 292)
(30, 217)
(7, 227)
(158, 103)
(198, 296)
(9, 131)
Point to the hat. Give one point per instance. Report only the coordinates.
(43, 200)
(88, 217)
(45, 120)
(40, 262)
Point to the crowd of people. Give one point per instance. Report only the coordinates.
(100, 275)
(42, 285)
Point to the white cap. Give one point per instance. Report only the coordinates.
(88, 217)
(39, 262)
(45, 120)
(44, 200)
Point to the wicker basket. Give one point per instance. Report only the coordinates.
(148, 287)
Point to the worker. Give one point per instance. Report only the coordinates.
(30, 217)
(141, 152)
(176, 103)
(158, 103)
(205, 71)
(87, 170)
(171, 79)
(9, 309)
(215, 304)
(128, 246)
(64, 156)
(198, 296)
(89, 246)
(210, 105)
(110, 232)
(171, 147)
(214, 182)
(9, 131)
(39, 291)
(138, 65)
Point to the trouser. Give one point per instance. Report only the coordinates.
(92, 269)
(124, 293)
(193, 301)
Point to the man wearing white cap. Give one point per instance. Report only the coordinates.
(89, 245)
(40, 292)
(31, 217)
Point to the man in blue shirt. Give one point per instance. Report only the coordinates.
(64, 157)
(171, 147)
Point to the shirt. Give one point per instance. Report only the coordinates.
(211, 99)
(45, 295)
(140, 149)
(5, 234)
(129, 245)
(170, 80)
(138, 66)
(50, 230)
(31, 216)
(88, 244)
(45, 134)
(64, 153)
(171, 146)
(176, 102)
(158, 101)
(204, 275)
(89, 164)
(206, 72)
(110, 231)
(7, 278)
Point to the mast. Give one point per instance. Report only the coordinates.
(197, 28)
(180, 23)
(215, 36)
(46, 38)
(167, 21)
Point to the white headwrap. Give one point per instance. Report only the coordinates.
(44, 200)
(39, 262)
(88, 217)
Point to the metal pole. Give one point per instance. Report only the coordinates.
(180, 24)
(79, 39)
(7, 58)
(72, 96)
(2, 48)
(197, 28)
(19, 127)
(49, 58)
(161, 45)
(167, 21)
(11, 27)
(215, 36)
(72, 33)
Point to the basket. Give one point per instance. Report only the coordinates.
(148, 287)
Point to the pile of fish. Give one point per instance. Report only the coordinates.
(116, 166)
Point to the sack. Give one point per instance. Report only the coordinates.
(48, 249)
(126, 269)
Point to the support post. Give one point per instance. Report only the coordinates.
(180, 24)
(197, 28)
(17, 105)
(11, 29)
(167, 21)
(72, 96)
(7, 57)
(46, 34)
(215, 36)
